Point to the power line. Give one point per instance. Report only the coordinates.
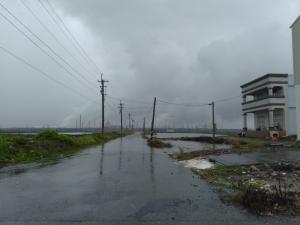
(198, 105)
(53, 35)
(130, 100)
(182, 104)
(44, 43)
(61, 29)
(229, 98)
(39, 47)
(41, 72)
(72, 36)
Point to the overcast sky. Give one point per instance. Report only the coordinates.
(193, 51)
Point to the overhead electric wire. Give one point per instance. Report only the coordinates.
(62, 30)
(182, 104)
(45, 44)
(198, 105)
(45, 52)
(68, 34)
(41, 72)
(72, 36)
(111, 107)
(228, 99)
(130, 100)
(53, 35)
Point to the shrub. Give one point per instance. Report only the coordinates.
(48, 134)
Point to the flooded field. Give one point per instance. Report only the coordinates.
(179, 135)
(189, 146)
(257, 157)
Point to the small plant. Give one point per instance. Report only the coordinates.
(277, 199)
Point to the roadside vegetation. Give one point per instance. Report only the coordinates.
(46, 145)
(264, 189)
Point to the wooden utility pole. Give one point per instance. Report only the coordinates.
(213, 119)
(80, 123)
(144, 125)
(102, 89)
(129, 125)
(153, 117)
(121, 113)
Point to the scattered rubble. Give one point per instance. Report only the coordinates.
(265, 189)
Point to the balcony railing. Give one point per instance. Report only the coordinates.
(263, 98)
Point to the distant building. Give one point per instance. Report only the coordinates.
(271, 99)
(296, 52)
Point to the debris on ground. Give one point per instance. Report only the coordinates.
(265, 188)
(156, 143)
(198, 163)
(195, 154)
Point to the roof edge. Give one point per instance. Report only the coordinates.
(264, 77)
(298, 19)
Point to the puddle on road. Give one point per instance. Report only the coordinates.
(10, 170)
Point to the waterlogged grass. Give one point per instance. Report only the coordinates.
(46, 145)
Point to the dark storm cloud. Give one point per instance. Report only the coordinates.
(182, 51)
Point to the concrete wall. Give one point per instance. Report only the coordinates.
(292, 125)
(296, 50)
(262, 119)
(296, 54)
(297, 93)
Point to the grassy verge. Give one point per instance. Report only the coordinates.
(46, 145)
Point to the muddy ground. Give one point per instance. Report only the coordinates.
(265, 189)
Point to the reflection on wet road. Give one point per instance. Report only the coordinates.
(122, 182)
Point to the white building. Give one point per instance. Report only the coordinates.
(296, 52)
(271, 99)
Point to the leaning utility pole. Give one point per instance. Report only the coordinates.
(153, 117)
(213, 119)
(102, 90)
(129, 116)
(132, 122)
(121, 113)
(144, 125)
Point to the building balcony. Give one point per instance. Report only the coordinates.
(263, 103)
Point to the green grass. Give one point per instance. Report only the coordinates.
(247, 142)
(46, 145)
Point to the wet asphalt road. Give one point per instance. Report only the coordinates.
(123, 182)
